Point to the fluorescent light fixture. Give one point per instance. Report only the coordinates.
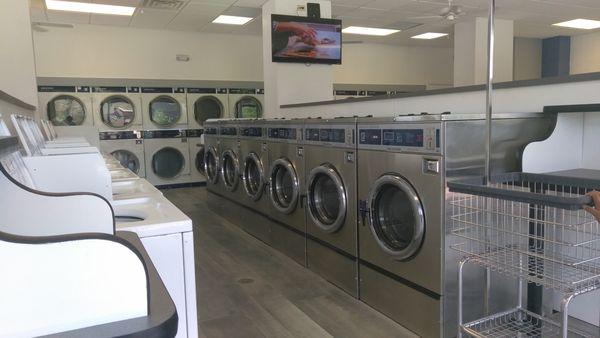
(429, 36)
(369, 31)
(232, 20)
(580, 24)
(86, 7)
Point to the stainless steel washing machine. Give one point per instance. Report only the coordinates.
(229, 167)
(254, 163)
(212, 156)
(407, 269)
(331, 246)
(286, 187)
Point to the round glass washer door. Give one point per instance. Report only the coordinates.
(165, 111)
(230, 169)
(117, 112)
(211, 165)
(326, 197)
(168, 162)
(248, 107)
(127, 159)
(66, 110)
(199, 161)
(253, 176)
(207, 107)
(284, 186)
(396, 218)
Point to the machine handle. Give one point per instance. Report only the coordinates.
(302, 200)
(363, 210)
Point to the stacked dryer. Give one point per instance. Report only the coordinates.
(66, 106)
(246, 102)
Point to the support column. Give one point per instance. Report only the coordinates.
(287, 83)
(470, 52)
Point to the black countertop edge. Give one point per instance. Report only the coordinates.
(162, 316)
(4, 96)
(573, 108)
(465, 89)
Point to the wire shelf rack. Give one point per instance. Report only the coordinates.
(516, 323)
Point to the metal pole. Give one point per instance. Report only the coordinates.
(488, 125)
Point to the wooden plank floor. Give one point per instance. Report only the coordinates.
(247, 289)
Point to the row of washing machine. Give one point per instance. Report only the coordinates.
(73, 188)
(164, 157)
(146, 108)
(363, 201)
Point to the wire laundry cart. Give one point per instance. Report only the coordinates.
(531, 227)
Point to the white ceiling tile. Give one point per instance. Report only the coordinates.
(68, 17)
(195, 16)
(110, 20)
(131, 3)
(250, 3)
(387, 4)
(152, 18)
(351, 2)
(213, 2)
(339, 10)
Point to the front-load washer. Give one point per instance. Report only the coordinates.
(230, 169)
(197, 153)
(127, 147)
(246, 102)
(286, 187)
(164, 108)
(167, 157)
(117, 108)
(254, 163)
(206, 103)
(331, 246)
(407, 269)
(66, 106)
(212, 155)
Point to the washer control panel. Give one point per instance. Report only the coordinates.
(410, 138)
(330, 135)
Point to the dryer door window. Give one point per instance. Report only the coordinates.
(66, 110)
(207, 107)
(117, 112)
(199, 161)
(211, 165)
(397, 219)
(168, 162)
(127, 159)
(327, 202)
(284, 187)
(248, 107)
(254, 182)
(230, 170)
(165, 111)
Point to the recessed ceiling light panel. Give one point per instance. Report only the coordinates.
(579, 24)
(369, 31)
(429, 36)
(232, 20)
(86, 7)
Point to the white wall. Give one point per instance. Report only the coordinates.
(17, 69)
(370, 63)
(527, 59)
(585, 53)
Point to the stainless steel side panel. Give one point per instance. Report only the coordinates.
(290, 243)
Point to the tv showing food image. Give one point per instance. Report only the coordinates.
(306, 40)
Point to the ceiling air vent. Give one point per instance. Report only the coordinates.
(163, 4)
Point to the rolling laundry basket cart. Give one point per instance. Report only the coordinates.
(532, 227)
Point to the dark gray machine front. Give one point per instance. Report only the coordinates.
(407, 269)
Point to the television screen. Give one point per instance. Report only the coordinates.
(306, 40)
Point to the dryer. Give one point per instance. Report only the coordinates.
(127, 147)
(406, 266)
(246, 102)
(286, 187)
(164, 108)
(66, 106)
(197, 153)
(117, 108)
(206, 103)
(212, 155)
(167, 157)
(230, 169)
(330, 163)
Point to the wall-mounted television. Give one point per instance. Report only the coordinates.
(306, 40)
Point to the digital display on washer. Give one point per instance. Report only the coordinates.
(403, 137)
(231, 131)
(252, 132)
(336, 135)
(369, 136)
(210, 131)
(282, 133)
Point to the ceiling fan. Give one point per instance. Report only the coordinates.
(449, 13)
(41, 26)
